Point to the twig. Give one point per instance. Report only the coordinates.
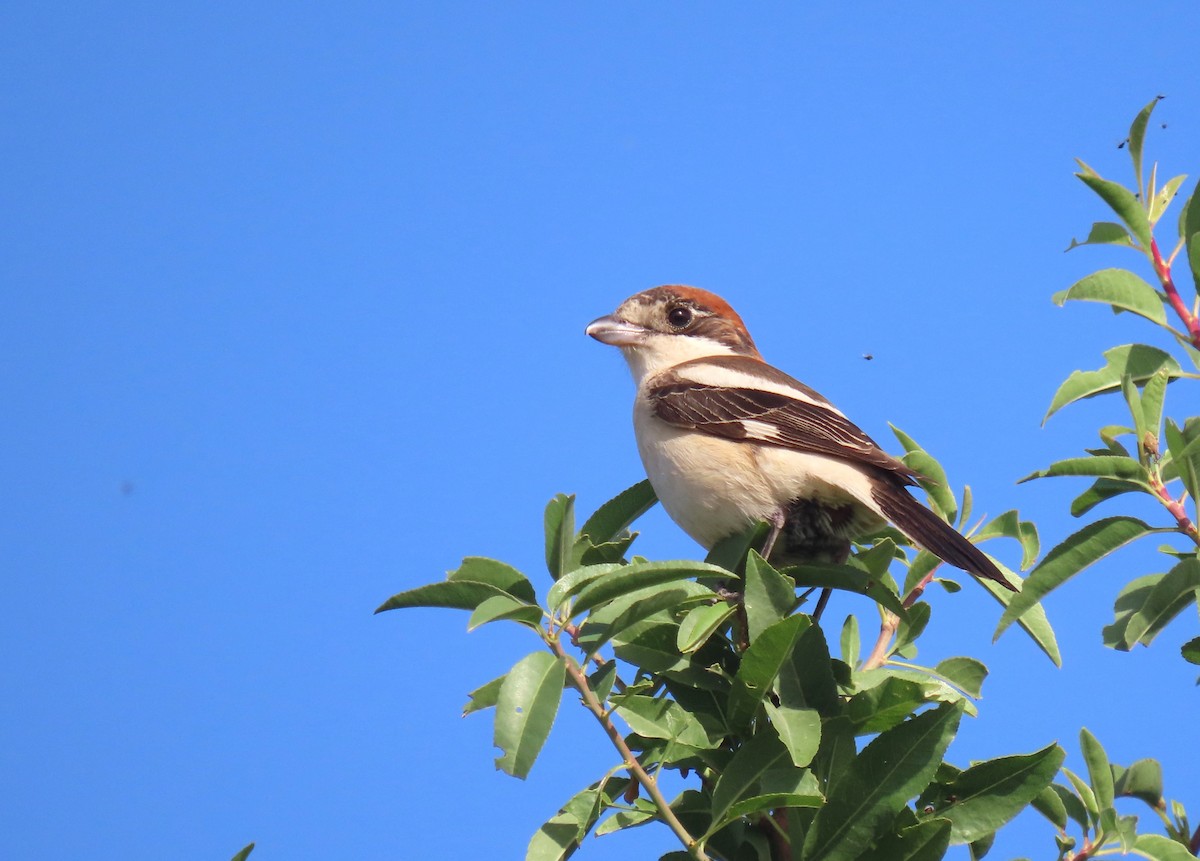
(1175, 506)
(1162, 269)
(887, 629)
(648, 783)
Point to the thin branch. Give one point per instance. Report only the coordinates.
(1162, 269)
(636, 771)
(1175, 506)
(887, 628)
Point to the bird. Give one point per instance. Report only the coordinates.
(728, 441)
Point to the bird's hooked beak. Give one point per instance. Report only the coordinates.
(617, 333)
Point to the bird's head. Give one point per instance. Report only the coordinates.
(667, 325)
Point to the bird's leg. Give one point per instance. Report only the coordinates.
(777, 520)
(840, 558)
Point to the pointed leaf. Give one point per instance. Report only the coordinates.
(616, 515)
(504, 607)
(761, 663)
(933, 481)
(743, 776)
(244, 853)
(967, 673)
(1051, 806)
(560, 534)
(1124, 203)
(484, 697)
(639, 575)
(848, 579)
(1137, 138)
(1076, 552)
(761, 804)
(700, 623)
(1104, 233)
(799, 729)
(1142, 780)
(480, 569)
(1119, 288)
(889, 771)
(988, 794)
(1138, 361)
(806, 681)
(1099, 771)
(767, 595)
(1158, 206)
(455, 594)
(613, 618)
(1159, 848)
(1103, 490)
(1010, 525)
(925, 841)
(1170, 595)
(1104, 466)
(525, 711)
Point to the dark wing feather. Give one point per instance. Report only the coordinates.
(790, 422)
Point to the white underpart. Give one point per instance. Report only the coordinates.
(660, 352)
(714, 487)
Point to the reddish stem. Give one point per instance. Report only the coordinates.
(1175, 507)
(1163, 269)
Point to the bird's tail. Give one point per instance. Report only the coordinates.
(932, 533)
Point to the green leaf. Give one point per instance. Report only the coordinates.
(1158, 206)
(799, 729)
(1097, 465)
(767, 595)
(615, 516)
(1121, 289)
(912, 627)
(1124, 203)
(1159, 848)
(967, 673)
(650, 646)
(744, 773)
(1138, 361)
(700, 623)
(1103, 489)
(504, 607)
(761, 804)
(644, 811)
(525, 711)
(850, 642)
(848, 579)
(1184, 449)
(456, 594)
(1168, 596)
(656, 717)
(1189, 232)
(1076, 552)
(480, 569)
(885, 705)
(1191, 651)
(761, 663)
(619, 615)
(638, 575)
(925, 841)
(1104, 233)
(1086, 795)
(1033, 620)
(933, 481)
(880, 780)
(484, 697)
(806, 681)
(244, 854)
(1142, 780)
(1051, 806)
(1072, 804)
(1099, 771)
(563, 833)
(1010, 525)
(1137, 137)
(560, 534)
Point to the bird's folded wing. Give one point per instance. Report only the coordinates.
(770, 418)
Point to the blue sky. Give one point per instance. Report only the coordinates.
(294, 299)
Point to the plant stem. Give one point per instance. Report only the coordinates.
(887, 628)
(648, 783)
(1162, 269)
(1175, 506)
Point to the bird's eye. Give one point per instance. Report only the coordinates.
(679, 317)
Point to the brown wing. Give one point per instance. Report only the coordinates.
(770, 418)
